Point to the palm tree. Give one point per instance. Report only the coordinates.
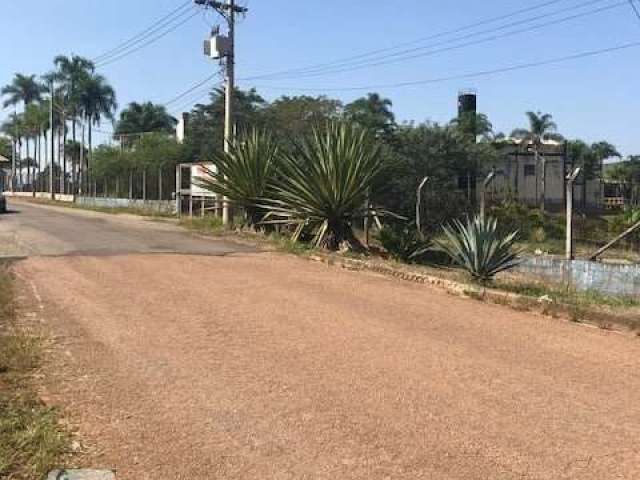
(145, 118)
(541, 128)
(32, 130)
(97, 100)
(36, 119)
(14, 129)
(473, 125)
(23, 88)
(372, 112)
(71, 72)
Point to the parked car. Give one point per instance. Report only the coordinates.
(3, 203)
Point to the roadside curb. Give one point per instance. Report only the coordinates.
(593, 318)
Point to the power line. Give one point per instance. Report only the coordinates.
(409, 55)
(193, 100)
(149, 30)
(482, 73)
(419, 40)
(193, 88)
(635, 8)
(147, 43)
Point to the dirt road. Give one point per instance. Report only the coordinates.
(266, 366)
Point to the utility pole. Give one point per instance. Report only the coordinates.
(53, 145)
(228, 11)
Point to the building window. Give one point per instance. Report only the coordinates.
(529, 170)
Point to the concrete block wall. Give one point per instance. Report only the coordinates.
(160, 206)
(584, 275)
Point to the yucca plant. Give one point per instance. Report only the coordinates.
(245, 174)
(323, 183)
(479, 248)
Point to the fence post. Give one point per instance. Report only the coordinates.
(144, 185)
(419, 206)
(131, 185)
(483, 194)
(569, 241)
(160, 184)
(117, 187)
(178, 187)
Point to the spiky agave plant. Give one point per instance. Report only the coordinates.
(479, 248)
(245, 174)
(323, 183)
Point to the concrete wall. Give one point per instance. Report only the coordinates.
(161, 206)
(42, 195)
(584, 275)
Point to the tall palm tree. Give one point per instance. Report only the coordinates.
(37, 122)
(23, 89)
(71, 72)
(32, 128)
(541, 128)
(13, 127)
(97, 101)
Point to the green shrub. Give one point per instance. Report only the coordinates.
(479, 247)
(324, 183)
(531, 223)
(403, 242)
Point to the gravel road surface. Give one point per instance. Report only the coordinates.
(185, 358)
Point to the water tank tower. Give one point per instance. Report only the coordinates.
(467, 102)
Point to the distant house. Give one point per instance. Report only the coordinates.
(519, 176)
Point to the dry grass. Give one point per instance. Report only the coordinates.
(31, 440)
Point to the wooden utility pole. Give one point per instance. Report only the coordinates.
(228, 103)
(571, 178)
(228, 11)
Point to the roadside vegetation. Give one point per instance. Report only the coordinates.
(31, 439)
(313, 173)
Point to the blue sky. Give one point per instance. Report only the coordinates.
(591, 98)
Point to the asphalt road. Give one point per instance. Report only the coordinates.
(41, 230)
(268, 366)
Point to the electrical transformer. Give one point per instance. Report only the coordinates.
(217, 47)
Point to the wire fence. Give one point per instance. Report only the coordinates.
(138, 184)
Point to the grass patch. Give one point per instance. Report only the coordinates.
(208, 224)
(567, 295)
(31, 440)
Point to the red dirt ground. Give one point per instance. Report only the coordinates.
(266, 366)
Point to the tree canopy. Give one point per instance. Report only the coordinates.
(145, 118)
